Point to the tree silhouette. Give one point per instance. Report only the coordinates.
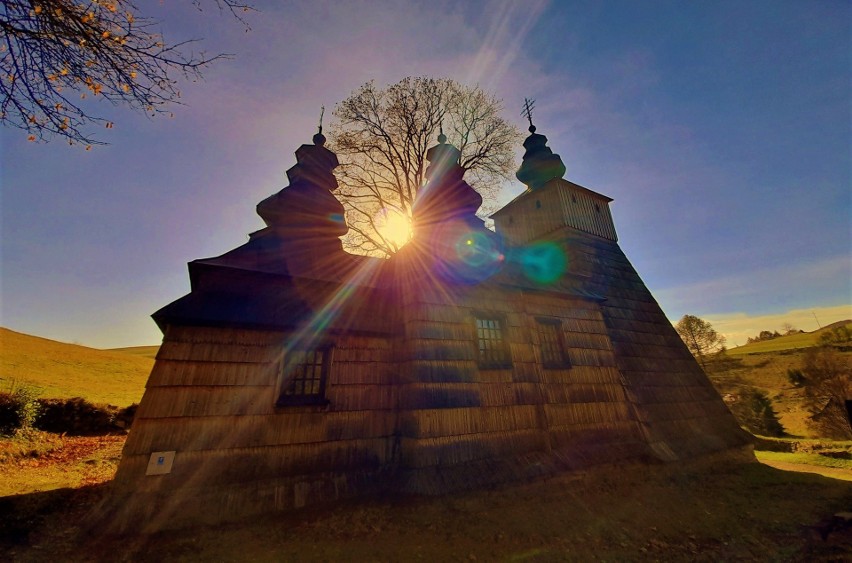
(700, 338)
(381, 137)
(828, 388)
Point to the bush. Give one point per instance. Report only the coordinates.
(753, 409)
(78, 416)
(796, 377)
(9, 419)
(829, 385)
(837, 335)
(19, 409)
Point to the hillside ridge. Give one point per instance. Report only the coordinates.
(788, 342)
(60, 370)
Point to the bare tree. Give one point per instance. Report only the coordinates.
(57, 53)
(789, 329)
(828, 390)
(700, 338)
(381, 137)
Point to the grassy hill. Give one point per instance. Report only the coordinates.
(767, 372)
(68, 370)
(764, 366)
(791, 342)
(141, 351)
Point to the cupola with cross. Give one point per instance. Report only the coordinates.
(550, 202)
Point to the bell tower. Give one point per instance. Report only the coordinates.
(550, 202)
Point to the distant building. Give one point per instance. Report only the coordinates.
(295, 373)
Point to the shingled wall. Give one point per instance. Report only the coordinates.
(681, 414)
(464, 425)
(211, 398)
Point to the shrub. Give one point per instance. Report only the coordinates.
(9, 419)
(18, 409)
(796, 377)
(829, 385)
(753, 409)
(78, 416)
(837, 335)
(73, 416)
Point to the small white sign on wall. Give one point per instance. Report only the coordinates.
(160, 463)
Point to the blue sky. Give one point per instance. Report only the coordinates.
(723, 131)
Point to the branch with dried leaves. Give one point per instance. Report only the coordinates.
(58, 55)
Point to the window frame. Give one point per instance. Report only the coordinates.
(564, 361)
(286, 400)
(501, 363)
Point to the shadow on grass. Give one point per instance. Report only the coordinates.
(674, 513)
(24, 517)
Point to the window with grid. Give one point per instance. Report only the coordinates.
(491, 340)
(303, 376)
(550, 340)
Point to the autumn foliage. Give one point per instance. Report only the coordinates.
(57, 55)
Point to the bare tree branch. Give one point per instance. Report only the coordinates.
(57, 53)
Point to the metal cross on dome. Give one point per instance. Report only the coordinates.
(529, 105)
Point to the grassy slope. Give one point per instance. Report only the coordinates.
(67, 370)
(767, 372)
(791, 342)
(141, 351)
(764, 365)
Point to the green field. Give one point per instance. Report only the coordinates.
(815, 459)
(791, 342)
(61, 370)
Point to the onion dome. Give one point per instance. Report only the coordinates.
(458, 247)
(307, 208)
(446, 194)
(539, 165)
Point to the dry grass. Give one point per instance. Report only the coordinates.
(66, 370)
(41, 461)
(731, 512)
(768, 372)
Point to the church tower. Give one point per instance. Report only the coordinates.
(550, 202)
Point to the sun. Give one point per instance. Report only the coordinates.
(394, 227)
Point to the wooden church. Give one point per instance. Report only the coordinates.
(294, 373)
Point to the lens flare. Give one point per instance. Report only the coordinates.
(394, 227)
(479, 256)
(544, 262)
(477, 249)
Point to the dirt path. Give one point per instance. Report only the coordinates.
(833, 472)
(54, 462)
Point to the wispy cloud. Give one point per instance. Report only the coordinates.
(502, 44)
(772, 290)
